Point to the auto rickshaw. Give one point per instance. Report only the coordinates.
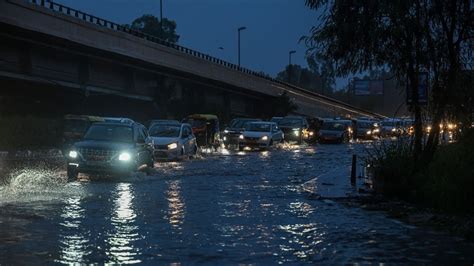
(206, 129)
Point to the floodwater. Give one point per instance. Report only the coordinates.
(223, 208)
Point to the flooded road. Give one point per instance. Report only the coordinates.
(223, 208)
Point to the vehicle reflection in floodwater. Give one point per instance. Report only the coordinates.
(74, 238)
(175, 204)
(121, 240)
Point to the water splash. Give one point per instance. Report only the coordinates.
(36, 184)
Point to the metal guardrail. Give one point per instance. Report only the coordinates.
(117, 27)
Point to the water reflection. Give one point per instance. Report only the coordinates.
(122, 239)
(175, 204)
(73, 238)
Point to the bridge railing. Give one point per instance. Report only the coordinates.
(117, 27)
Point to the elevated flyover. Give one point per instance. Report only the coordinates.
(48, 46)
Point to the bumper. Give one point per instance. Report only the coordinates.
(104, 167)
(166, 154)
(254, 144)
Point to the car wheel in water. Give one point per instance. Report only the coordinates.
(72, 173)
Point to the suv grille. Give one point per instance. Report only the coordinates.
(161, 147)
(96, 154)
(252, 138)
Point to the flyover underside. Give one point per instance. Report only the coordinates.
(84, 79)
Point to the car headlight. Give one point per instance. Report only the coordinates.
(172, 146)
(225, 138)
(124, 156)
(73, 154)
(265, 138)
(226, 131)
(368, 132)
(241, 137)
(394, 129)
(311, 133)
(296, 132)
(376, 130)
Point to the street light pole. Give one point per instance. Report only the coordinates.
(238, 41)
(161, 19)
(289, 65)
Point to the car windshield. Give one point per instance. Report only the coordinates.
(292, 122)
(336, 126)
(75, 125)
(110, 132)
(259, 127)
(165, 131)
(240, 123)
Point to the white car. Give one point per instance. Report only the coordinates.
(173, 141)
(261, 135)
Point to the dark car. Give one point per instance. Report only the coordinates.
(294, 128)
(111, 148)
(366, 129)
(231, 134)
(335, 131)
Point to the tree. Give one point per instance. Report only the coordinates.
(317, 78)
(408, 37)
(150, 24)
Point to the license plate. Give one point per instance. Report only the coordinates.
(97, 158)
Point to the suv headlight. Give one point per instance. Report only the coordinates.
(226, 131)
(241, 137)
(124, 156)
(296, 132)
(368, 132)
(172, 146)
(72, 154)
(265, 138)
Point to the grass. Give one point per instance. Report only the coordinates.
(446, 183)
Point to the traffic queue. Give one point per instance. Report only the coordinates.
(120, 146)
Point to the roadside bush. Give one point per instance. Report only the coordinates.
(446, 183)
(29, 132)
(392, 165)
(449, 178)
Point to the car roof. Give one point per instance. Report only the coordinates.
(263, 122)
(113, 123)
(167, 124)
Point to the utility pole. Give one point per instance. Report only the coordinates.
(289, 65)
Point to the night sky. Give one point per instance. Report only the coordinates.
(274, 27)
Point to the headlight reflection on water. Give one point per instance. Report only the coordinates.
(73, 237)
(121, 240)
(175, 204)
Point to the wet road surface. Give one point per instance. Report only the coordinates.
(223, 208)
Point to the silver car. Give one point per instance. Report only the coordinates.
(173, 141)
(260, 135)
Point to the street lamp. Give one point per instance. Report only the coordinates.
(289, 64)
(238, 41)
(161, 19)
